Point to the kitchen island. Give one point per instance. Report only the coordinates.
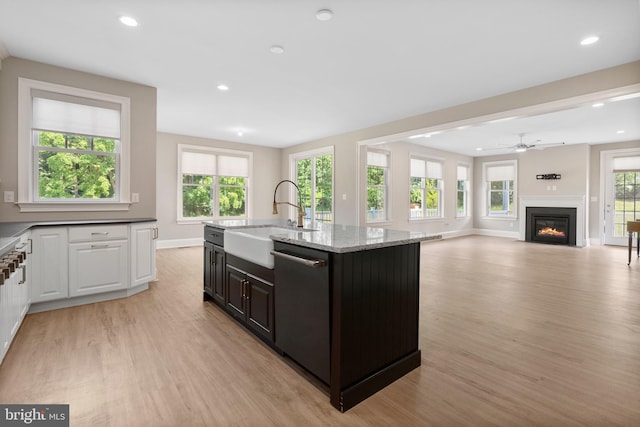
(341, 301)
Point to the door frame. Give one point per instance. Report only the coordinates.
(606, 160)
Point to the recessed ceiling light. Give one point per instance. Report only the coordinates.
(128, 21)
(479, 149)
(324, 15)
(223, 87)
(597, 105)
(240, 132)
(277, 49)
(589, 40)
(620, 131)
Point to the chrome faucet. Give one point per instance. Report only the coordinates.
(301, 212)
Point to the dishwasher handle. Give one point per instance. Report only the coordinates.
(313, 263)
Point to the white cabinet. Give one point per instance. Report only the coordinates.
(80, 264)
(98, 259)
(49, 261)
(14, 291)
(143, 252)
(97, 267)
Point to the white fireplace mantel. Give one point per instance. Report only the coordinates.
(577, 202)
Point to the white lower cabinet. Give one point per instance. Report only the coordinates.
(49, 264)
(88, 260)
(14, 291)
(143, 253)
(97, 267)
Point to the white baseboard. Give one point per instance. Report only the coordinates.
(594, 241)
(178, 243)
(457, 233)
(38, 307)
(496, 233)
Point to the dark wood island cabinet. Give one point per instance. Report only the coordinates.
(343, 303)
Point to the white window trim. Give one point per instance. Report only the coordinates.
(467, 212)
(514, 215)
(389, 186)
(26, 197)
(212, 150)
(294, 157)
(441, 187)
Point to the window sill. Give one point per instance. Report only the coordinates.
(73, 206)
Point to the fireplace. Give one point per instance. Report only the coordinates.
(552, 225)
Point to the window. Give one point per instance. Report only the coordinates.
(500, 182)
(377, 185)
(426, 188)
(73, 149)
(213, 183)
(313, 172)
(462, 209)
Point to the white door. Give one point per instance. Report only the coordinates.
(96, 267)
(143, 253)
(621, 173)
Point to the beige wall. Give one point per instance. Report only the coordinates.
(143, 136)
(346, 145)
(571, 162)
(265, 176)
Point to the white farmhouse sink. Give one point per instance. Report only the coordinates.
(252, 244)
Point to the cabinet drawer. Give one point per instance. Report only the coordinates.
(214, 235)
(98, 232)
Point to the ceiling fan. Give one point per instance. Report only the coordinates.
(522, 147)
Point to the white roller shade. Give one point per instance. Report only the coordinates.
(501, 173)
(626, 164)
(377, 159)
(418, 168)
(434, 170)
(194, 163)
(66, 117)
(463, 173)
(233, 166)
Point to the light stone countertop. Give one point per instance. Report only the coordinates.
(329, 237)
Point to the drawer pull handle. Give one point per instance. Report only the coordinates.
(99, 246)
(313, 263)
(100, 233)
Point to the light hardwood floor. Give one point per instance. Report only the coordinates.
(511, 333)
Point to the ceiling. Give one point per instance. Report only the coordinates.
(373, 62)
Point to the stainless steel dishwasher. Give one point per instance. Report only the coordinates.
(302, 309)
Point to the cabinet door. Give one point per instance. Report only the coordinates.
(49, 261)
(236, 292)
(260, 307)
(96, 267)
(217, 274)
(143, 253)
(208, 268)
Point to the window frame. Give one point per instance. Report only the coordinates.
(28, 196)
(215, 184)
(487, 190)
(439, 188)
(312, 155)
(465, 191)
(386, 187)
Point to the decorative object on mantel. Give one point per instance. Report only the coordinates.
(549, 176)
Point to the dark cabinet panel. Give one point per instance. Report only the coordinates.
(214, 263)
(235, 302)
(250, 298)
